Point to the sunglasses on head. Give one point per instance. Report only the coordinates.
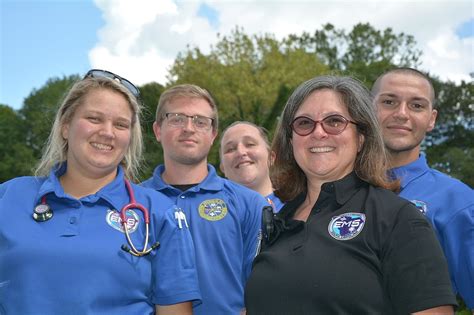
(333, 124)
(97, 73)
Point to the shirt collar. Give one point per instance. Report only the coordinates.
(115, 193)
(52, 184)
(342, 189)
(290, 207)
(212, 182)
(408, 173)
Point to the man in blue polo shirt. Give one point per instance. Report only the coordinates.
(224, 218)
(405, 106)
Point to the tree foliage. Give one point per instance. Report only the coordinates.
(17, 158)
(39, 109)
(153, 155)
(246, 73)
(450, 146)
(251, 78)
(364, 52)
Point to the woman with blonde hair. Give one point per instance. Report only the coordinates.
(246, 158)
(81, 238)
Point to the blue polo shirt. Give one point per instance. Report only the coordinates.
(224, 219)
(275, 202)
(449, 205)
(74, 264)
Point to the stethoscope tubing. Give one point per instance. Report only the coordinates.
(146, 217)
(43, 213)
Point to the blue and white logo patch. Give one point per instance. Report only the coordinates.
(114, 220)
(421, 205)
(346, 226)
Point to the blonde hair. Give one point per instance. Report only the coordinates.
(263, 132)
(56, 148)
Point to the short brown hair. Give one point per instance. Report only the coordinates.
(409, 71)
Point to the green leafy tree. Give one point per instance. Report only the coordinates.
(450, 146)
(153, 155)
(15, 156)
(249, 76)
(364, 52)
(40, 108)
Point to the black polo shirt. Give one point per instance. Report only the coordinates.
(363, 250)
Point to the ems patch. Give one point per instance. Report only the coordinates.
(421, 205)
(346, 226)
(113, 219)
(213, 209)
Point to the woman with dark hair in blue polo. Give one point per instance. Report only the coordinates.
(79, 237)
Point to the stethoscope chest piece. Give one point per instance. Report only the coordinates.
(42, 213)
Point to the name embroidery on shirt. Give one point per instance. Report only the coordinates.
(113, 219)
(421, 205)
(213, 209)
(346, 226)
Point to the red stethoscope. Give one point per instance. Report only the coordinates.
(43, 212)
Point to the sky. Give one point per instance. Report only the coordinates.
(139, 39)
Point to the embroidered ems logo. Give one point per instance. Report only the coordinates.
(213, 209)
(421, 205)
(113, 219)
(346, 226)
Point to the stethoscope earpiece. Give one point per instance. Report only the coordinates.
(135, 253)
(42, 212)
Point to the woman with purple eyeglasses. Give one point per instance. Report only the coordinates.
(343, 243)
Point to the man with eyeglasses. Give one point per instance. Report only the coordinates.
(224, 218)
(405, 99)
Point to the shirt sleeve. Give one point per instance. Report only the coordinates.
(413, 265)
(174, 269)
(3, 188)
(252, 233)
(457, 237)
